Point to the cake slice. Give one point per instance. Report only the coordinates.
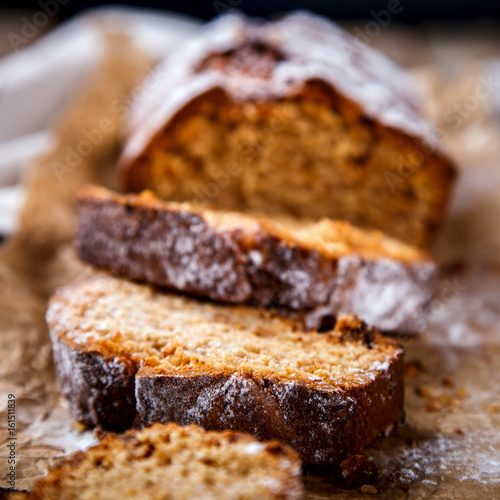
(290, 116)
(126, 352)
(168, 462)
(313, 270)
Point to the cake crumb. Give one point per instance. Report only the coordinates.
(358, 470)
(368, 488)
(449, 401)
(441, 399)
(421, 391)
(412, 442)
(446, 429)
(413, 369)
(80, 427)
(432, 405)
(494, 408)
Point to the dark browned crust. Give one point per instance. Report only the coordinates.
(324, 427)
(154, 242)
(160, 247)
(100, 387)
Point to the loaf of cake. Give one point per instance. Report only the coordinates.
(168, 462)
(293, 116)
(125, 352)
(313, 270)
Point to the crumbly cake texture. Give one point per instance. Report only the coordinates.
(313, 270)
(126, 352)
(292, 116)
(168, 462)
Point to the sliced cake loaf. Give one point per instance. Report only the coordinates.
(313, 270)
(168, 462)
(292, 116)
(126, 352)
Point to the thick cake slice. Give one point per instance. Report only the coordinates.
(291, 116)
(168, 462)
(124, 350)
(314, 270)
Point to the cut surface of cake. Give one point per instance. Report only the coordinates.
(168, 462)
(314, 270)
(291, 116)
(126, 352)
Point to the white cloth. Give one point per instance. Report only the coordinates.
(37, 82)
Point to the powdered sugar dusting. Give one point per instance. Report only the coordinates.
(314, 48)
(254, 448)
(377, 365)
(386, 293)
(243, 259)
(144, 323)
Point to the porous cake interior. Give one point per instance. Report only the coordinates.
(174, 463)
(309, 157)
(175, 334)
(330, 238)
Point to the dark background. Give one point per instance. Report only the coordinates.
(413, 11)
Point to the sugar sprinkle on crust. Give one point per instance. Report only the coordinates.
(318, 269)
(327, 395)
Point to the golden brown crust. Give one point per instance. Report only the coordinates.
(320, 270)
(324, 428)
(326, 414)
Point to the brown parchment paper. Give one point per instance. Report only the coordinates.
(450, 446)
